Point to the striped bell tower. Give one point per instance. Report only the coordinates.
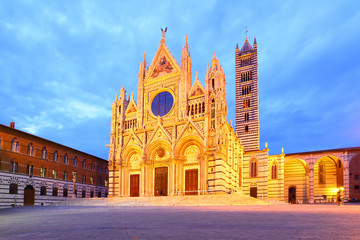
(247, 97)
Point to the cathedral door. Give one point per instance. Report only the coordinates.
(161, 181)
(134, 185)
(29, 196)
(292, 195)
(191, 182)
(253, 192)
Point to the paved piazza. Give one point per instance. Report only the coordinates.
(204, 222)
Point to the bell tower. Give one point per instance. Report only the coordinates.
(247, 97)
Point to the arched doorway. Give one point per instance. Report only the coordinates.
(29, 196)
(292, 195)
(161, 181)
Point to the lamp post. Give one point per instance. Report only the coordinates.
(74, 179)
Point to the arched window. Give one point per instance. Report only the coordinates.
(15, 145)
(100, 168)
(29, 169)
(83, 179)
(13, 188)
(322, 172)
(43, 172)
(31, 150)
(65, 176)
(253, 168)
(66, 159)
(107, 170)
(84, 163)
(213, 113)
(246, 128)
(91, 180)
(44, 153)
(213, 83)
(55, 191)
(0, 142)
(75, 161)
(43, 191)
(55, 156)
(203, 107)
(92, 166)
(65, 192)
(274, 171)
(14, 167)
(55, 174)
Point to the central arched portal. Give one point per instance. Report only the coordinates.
(161, 181)
(29, 196)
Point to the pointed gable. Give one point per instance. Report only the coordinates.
(246, 48)
(132, 108)
(197, 89)
(163, 63)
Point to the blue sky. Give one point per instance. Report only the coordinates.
(62, 63)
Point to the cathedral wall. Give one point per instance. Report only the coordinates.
(260, 180)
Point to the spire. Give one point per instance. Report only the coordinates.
(197, 76)
(255, 43)
(246, 48)
(186, 40)
(132, 95)
(237, 46)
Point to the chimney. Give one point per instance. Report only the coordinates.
(12, 124)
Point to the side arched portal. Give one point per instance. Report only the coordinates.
(296, 177)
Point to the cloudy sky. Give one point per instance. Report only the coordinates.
(62, 63)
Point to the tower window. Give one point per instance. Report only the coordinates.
(245, 61)
(246, 90)
(213, 83)
(246, 117)
(246, 76)
(246, 128)
(273, 172)
(246, 103)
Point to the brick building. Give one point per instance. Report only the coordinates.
(34, 170)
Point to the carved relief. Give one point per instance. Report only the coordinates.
(162, 66)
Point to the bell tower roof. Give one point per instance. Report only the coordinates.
(246, 48)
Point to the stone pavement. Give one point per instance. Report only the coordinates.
(320, 221)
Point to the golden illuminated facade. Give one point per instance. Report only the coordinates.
(175, 138)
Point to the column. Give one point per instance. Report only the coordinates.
(311, 182)
(346, 181)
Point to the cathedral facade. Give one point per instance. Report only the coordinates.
(175, 139)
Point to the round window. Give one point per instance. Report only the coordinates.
(162, 104)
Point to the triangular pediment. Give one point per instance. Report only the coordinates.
(191, 128)
(163, 64)
(133, 139)
(132, 108)
(196, 90)
(160, 133)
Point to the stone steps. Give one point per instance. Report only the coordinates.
(202, 200)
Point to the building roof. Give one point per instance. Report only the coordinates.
(246, 48)
(327, 150)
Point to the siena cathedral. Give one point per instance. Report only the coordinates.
(174, 139)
